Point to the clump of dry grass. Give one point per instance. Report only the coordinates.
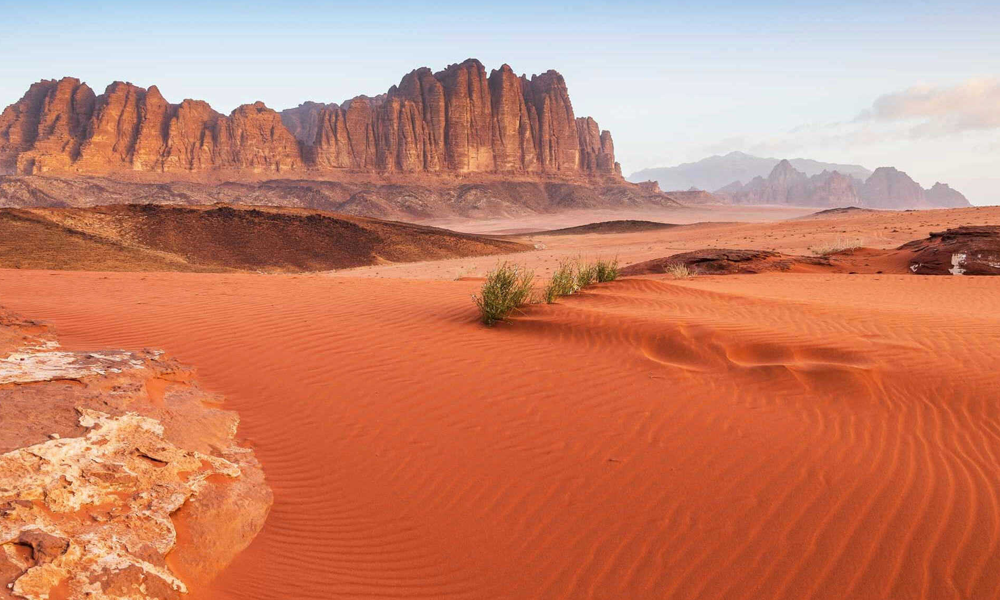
(841, 244)
(506, 288)
(679, 271)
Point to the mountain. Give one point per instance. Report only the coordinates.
(891, 188)
(886, 188)
(456, 121)
(715, 172)
(941, 194)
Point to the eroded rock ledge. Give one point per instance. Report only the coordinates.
(103, 456)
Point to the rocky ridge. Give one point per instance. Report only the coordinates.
(967, 250)
(399, 198)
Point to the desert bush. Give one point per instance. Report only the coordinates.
(507, 287)
(586, 274)
(607, 270)
(839, 245)
(679, 271)
(563, 283)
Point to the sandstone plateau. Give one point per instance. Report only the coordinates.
(458, 142)
(458, 120)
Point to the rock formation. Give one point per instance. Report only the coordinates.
(970, 250)
(100, 454)
(833, 189)
(941, 194)
(891, 188)
(421, 198)
(718, 171)
(724, 261)
(46, 127)
(886, 188)
(456, 121)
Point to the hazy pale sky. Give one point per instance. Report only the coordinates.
(914, 85)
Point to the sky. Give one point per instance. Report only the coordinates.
(915, 85)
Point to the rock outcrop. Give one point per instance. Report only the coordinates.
(723, 261)
(101, 455)
(970, 250)
(456, 121)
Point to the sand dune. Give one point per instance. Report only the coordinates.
(780, 436)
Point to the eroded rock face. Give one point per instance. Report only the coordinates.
(101, 454)
(62, 478)
(458, 120)
(44, 130)
(972, 250)
(303, 120)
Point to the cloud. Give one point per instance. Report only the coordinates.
(971, 107)
(942, 133)
(931, 111)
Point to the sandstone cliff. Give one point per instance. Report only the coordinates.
(456, 121)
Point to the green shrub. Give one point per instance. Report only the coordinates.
(586, 273)
(507, 287)
(607, 270)
(563, 283)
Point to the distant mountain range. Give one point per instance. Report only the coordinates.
(801, 182)
(715, 172)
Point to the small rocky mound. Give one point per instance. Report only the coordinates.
(102, 455)
(968, 250)
(839, 212)
(721, 261)
(621, 226)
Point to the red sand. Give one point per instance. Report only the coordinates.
(774, 436)
(777, 436)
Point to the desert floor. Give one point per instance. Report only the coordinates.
(778, 436)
